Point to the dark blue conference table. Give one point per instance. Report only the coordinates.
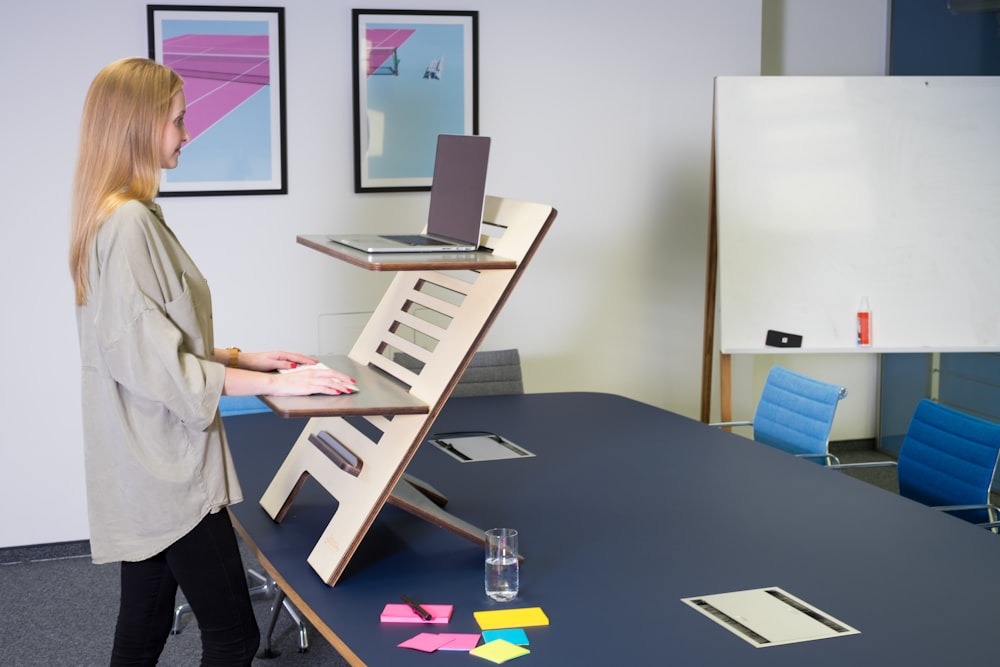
(625, 510)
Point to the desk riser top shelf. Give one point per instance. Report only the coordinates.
(418, 261)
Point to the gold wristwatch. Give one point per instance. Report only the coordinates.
(234, 357)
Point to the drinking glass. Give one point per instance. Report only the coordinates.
(502, 576)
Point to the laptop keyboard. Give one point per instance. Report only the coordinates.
(415, 239)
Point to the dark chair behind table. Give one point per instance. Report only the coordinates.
(490, 373)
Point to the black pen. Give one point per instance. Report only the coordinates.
(421, 612)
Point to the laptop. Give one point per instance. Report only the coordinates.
(458, 192)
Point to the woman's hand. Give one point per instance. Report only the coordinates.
(273, 361)
(305, 381)
(254, 376)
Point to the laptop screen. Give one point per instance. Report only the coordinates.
(458, 187)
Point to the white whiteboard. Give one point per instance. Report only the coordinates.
(832, 189)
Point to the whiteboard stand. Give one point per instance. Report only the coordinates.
(711, 289)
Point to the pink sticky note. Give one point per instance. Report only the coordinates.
(428, 642)
(459, 642)
(402, 613)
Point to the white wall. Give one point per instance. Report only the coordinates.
(821, 38)
(603, 112)
(818, 37)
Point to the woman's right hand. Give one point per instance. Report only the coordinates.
(306, 380)
(300, 381)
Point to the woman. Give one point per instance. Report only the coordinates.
(159, 471)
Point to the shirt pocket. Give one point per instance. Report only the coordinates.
(191, 313)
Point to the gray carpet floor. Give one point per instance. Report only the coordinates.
(59, 610)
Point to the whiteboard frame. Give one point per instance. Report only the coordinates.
(832, 189)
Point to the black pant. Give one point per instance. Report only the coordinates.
(206, 565)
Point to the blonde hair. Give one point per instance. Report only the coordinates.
(124, 113)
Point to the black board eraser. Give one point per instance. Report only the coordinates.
(782, 339)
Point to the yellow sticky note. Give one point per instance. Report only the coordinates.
(523, 617)
(499, 650)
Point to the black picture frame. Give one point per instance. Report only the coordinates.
(416, 75)
(232, 60)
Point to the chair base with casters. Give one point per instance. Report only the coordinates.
(266, 588)
(269, 588)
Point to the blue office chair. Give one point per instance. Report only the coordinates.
(231, 406)
(947, 460)
(795, 414)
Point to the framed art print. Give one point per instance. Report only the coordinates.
(415, 77)
(232, 63)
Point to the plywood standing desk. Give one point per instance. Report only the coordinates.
(407, 360)
(624, 510)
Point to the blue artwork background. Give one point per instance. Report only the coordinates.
(237, 148)
(416, 109)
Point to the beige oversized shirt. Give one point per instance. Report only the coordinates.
(156, 455)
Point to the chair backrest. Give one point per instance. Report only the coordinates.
(949, 458)
(490, 373)
(795, 412)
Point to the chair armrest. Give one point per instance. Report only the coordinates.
(831, 460)
(728, 424)
(994, 511)
(992, 526)
(866, 464)
(961, 508)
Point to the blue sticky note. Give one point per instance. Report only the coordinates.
(513, 635)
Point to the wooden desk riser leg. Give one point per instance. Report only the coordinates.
(359, 499)
(426, 489)
(412, 498)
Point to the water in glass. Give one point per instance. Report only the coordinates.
(502, 578)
